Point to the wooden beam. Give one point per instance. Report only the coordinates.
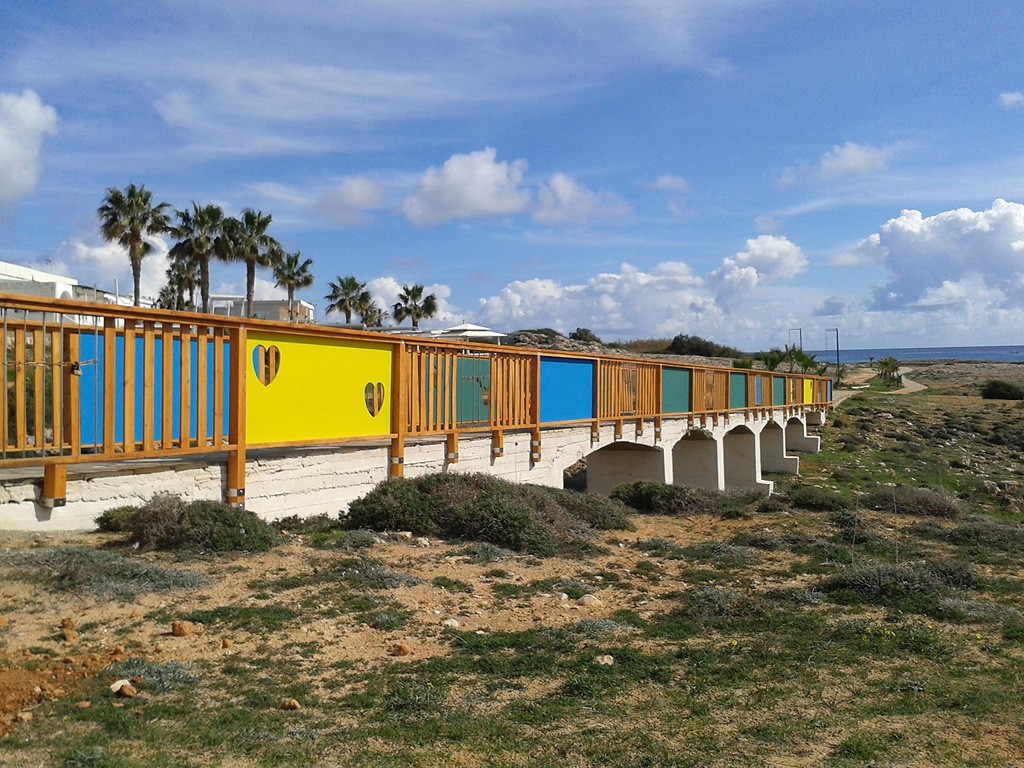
(55, 485)
(451, 448)
(400, 398)
(235, 492)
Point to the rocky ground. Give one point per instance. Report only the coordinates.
(721, 645)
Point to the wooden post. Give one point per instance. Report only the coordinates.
(235, 492)
(451, 448)
(109, 394)
(497, 444)
(70, 411)
(399, 410)
(129, 387)
(55, 485)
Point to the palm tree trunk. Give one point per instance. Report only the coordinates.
(204, 282)
(137, 277)
(250, 285)
(291, 298)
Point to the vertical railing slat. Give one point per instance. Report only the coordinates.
(19, 388)
(128, 388)
(185, 389)
(148, 383)
(108, 395)
(38, 396)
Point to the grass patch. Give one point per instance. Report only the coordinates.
(256, 619)
(104, 574)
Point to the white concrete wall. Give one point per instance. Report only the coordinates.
(773, 451)
(313, 481)
(741, 460)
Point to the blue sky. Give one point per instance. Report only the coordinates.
(726, 168)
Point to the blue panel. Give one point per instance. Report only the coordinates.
(566, 390)
(758, 397)
(90, 388)
(830, 390)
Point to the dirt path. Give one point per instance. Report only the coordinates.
(859, 377)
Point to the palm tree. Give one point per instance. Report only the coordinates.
(888, 369)
(126, 218)
(347, 296)
(773, 358)
(371, 315)
(414, 305)
(292, 274)
(182, 281)
(198, 233)
(246, 239)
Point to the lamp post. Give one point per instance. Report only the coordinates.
(836, 332)
(800, 337)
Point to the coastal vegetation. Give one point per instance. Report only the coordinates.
(870, 612)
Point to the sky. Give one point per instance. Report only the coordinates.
(732, 169)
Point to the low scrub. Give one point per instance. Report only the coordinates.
(650, 498)
(918, 588)
(818, 499)
(996, 389)
(105, 574)
(903, 500)
(477, 507)
(168, 522)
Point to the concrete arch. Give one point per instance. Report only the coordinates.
(742, 461)
(619, 463)
(773, 450)
(697, 461)
(797, 439)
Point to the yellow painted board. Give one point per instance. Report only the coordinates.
(808, 390)
(318, 388)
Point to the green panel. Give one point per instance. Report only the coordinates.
(737, 390)
(675, 391)
(473, 391)
(778, 391)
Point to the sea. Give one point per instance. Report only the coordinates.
(1005, 354)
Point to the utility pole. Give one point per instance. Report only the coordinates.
(836, 332)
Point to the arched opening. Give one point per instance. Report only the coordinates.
(574, 477)
(741, 465)
(695, 461)
(797, 439)
(773, 451)
(620, 463)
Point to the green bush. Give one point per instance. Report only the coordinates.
(477, 507)
(903, 500)
(919, 587)
(650, 498)
(995, 389)
(116, 520)
(168, 522)
(818, 499)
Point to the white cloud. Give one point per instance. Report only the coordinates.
(562, 200)
(671, 183)
(854, 160)
(850, 159)
(630, 303)
(930, 256)
(105, 265)
(766, 258)
(24, 122)
(1011, 100)
(385, 292)
(351, 199)
(466, 187)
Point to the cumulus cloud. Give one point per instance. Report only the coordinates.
(671, 183)
(385, 292)
(104, 265)
(952, 255)
(766, 258)
(466, 187)
(1011, 100)
(562, 200)
(351, 199)
(666, 300)
(24, 122)
(849, 159)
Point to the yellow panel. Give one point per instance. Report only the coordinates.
(808, 390)
(317, 390)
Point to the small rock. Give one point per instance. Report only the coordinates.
(290, 704)
(225, 643)
(399, 649)
(118, 650)
(70, 636)
(182, 628)
(479, 632)
(591, 601)
(117, 704)
(450, 624)
(23, 717)
(404, 535)
(3, 622)
(127, 690)
(562, 596)
(83, 704)
(423, 542)
(604, 661)
(67, 623)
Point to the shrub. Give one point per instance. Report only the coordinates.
(116, 520)
(695, 345)
(107, 574)
(168, 522)
(816, 498)
(650, 498)
(903, 500)
(584, 334)
(918, 587)
(477, 507)
(995, 389)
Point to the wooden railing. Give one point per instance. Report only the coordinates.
(95, 382)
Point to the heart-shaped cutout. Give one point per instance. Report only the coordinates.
(266, 361)
(374, 395)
